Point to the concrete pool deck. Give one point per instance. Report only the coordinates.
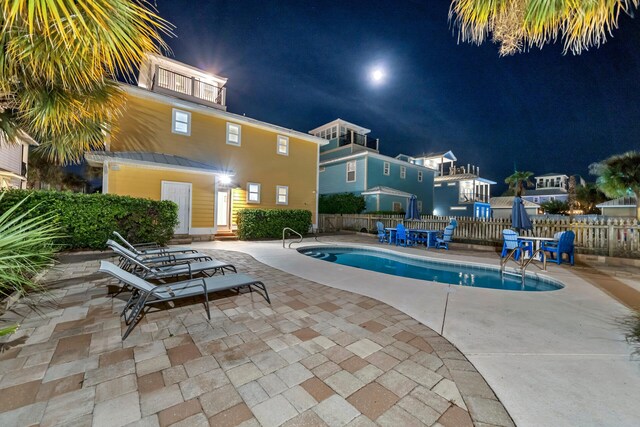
(552, 358)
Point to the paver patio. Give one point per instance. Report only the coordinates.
(316, 356)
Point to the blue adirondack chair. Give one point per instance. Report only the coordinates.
(402, 236)
(563, 246)
(447, 236)
(511, 242)
(382, 234)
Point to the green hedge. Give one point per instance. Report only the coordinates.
(268, 223)
(342, 203)
(88, 220)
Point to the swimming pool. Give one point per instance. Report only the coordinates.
(382, 261)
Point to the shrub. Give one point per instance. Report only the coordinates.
(343, 203)
(88, 220)
(555, 207)
(268, 223)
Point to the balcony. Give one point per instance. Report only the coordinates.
(355, 138)
(188, 88)
(472, 197)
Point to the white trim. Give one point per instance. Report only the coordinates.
(225, 115)
(239, 134)
(95, 159)
(256, 202)
(174, 112)
(317, 192)
(340, 122)
(202, 230)
(386, 168)
(229, 191)
(375, 156)
(105, 178)
(278, 187)
(458, 208)
(286, 145)
(162, 184)
(366, 175)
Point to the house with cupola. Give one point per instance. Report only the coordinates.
(176, 141)
(551, 186)
(351, 162)
(457, 190)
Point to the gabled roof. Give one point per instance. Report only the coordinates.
(507, 203)
(545, 192)
(157, 160)
(550, 174)
(446, 154)
(386, 190)
(462, 177)
(340, 122)
(620, 202)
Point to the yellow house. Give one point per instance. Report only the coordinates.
(176, 141)
(14, 159)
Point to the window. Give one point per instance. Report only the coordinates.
(397, 207)
(282, 195)
(283, 145)
(181, 122)
(234, 134)
(253, 192)
(334, 132)
(419, 203)
(419, 176)
(351, 171)
(386, 169)
(403, 172)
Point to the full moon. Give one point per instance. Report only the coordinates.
(377, 75)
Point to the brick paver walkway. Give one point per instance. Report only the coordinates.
(316, 356)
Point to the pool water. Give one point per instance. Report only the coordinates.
(434, 271)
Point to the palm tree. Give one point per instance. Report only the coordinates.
(619, 175)
(58, 63)
(588, 196)
(518, 25)
(518, 180)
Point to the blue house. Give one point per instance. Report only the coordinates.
(351, 162)
(458, 191)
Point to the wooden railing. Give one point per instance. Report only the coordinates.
(613, 237)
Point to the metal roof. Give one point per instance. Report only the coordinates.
(550, 174)
(462, 177)
(545, 192)
(152, 159)
(620, 202)
(386, 190)
(507, 202)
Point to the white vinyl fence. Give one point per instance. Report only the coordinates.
(612, 237)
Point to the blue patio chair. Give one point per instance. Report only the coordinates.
(402, 236)
(563, 246)
(511, 242)
(382, 234)
(447, 237)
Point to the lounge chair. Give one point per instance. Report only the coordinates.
(563, 246)
(382, 233)
(151, 248)
(138, 266)
(447, 237)
(511, 242)
(161, 258)
(146, 294)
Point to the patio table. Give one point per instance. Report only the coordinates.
(392, 234)
(431, 235)
(536, 243)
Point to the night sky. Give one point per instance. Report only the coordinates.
(300, 64)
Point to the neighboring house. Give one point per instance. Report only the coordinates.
(501, 207)
(176, 141)
(14, 159)
(551, 186)
(623, 207)
(458, 191)
(351, 162)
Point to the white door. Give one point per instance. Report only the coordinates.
(180, 194)
(222, 209)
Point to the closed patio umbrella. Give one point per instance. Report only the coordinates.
(519, 218)
(412, 209)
